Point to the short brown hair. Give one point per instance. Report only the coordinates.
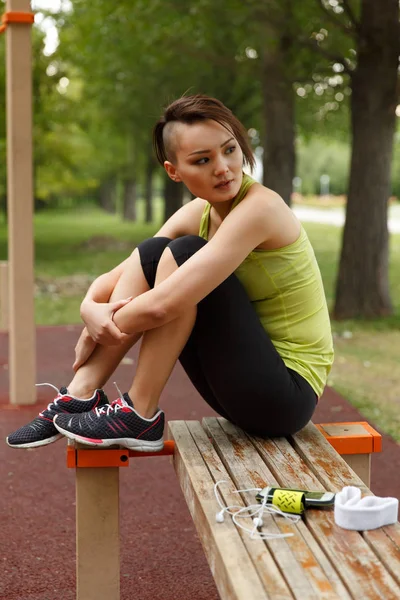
(192, 109)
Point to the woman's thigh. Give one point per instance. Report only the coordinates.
(232, 362)
(246, 374)
(150, 252)
(235, 366)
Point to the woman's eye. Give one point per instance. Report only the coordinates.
(230, 149)
(200, 162)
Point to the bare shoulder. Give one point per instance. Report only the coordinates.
(185, 221)
(281, 225)
(264, 196)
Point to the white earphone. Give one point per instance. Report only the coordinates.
(255, 512)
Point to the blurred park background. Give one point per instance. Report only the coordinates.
(316, 85)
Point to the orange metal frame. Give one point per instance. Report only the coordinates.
(16, 17)
(99, 457)
(366, 443)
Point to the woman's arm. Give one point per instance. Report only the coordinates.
(96, 311)
(103, 286)
(185, 221)
(251, 223)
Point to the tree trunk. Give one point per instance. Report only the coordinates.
(107, 195)
(362, 288)
(279, 138)
(129, 200)
(4, 207)
(173, 197)
(39, 204)
(148, 192)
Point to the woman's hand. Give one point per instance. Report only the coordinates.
(97, 317)
(83, 349)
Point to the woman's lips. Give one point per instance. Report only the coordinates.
(224, 184)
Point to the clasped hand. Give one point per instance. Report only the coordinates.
(100, 329)
(98, 318)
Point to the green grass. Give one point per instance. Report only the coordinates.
(84, 241)
(326, 240)
(73, 247)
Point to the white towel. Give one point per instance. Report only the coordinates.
(370, 512)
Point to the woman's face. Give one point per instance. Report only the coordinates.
(209, 160)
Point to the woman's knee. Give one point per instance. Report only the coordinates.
(184, 247)
(152, 248)
(150, 252)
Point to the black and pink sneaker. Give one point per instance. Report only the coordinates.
(115, 424)
(41, 430)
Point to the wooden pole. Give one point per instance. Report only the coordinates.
(4, 295)
(97, 533)
(22, 359)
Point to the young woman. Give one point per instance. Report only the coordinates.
(229, 286)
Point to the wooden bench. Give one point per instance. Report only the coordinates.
(321, 560)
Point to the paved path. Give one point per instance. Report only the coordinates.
(161, 555)
(336, 216)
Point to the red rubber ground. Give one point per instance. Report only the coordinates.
(162, 558)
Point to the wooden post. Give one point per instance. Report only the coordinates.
(355, 442)
(361, 464)
(20, 208)
(97, 516)
(4, 295)
(97, 533)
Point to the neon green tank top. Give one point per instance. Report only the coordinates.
(286, 290)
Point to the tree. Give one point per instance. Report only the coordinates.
(128, 67)
(362, 288)
(132, 57)
(272, 50)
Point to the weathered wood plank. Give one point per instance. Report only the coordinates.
(303, 564)
(290, 470)
(383, 542)
(323, 460)
(272, 578)
(330, 468)
(234, 573)
(344, 548)
(333, 473)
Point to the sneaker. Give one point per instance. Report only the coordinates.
(41, 430)
(115, 424)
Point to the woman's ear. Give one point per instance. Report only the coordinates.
(172, 171)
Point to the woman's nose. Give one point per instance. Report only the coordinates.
(221, 167)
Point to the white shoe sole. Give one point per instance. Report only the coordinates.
(45, 442)
(130, 443)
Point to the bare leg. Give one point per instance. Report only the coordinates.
(160, 350)
(102, 363)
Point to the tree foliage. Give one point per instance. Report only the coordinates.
(126, 60)
(289, 70)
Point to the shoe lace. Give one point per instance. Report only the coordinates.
(53, 402)
(114, 406)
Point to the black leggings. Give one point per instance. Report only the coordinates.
(229, 357)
